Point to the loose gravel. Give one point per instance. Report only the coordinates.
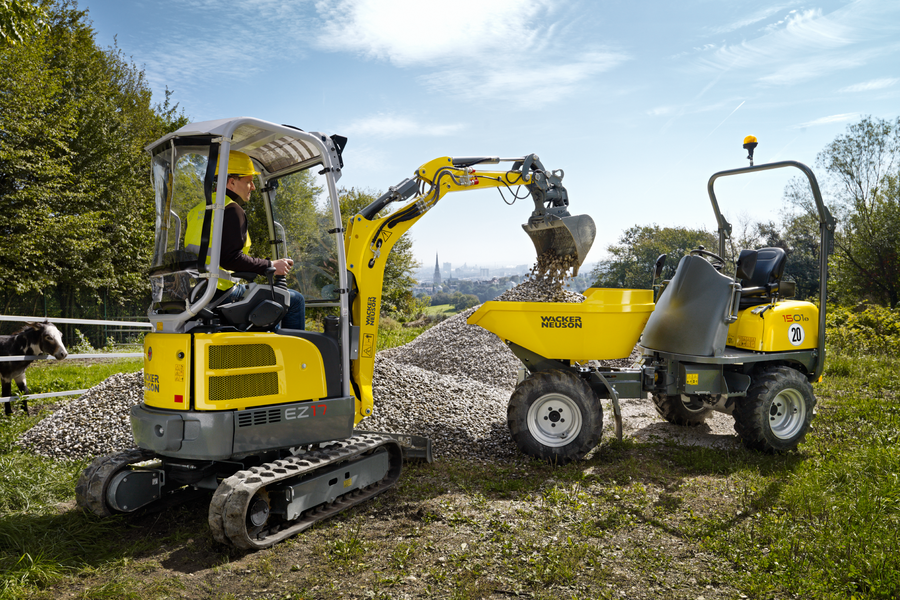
(453, 347)
(452, 384)
(94, 424)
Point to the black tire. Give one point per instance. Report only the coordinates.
(555, 416)
(675, 411)
(776, 413)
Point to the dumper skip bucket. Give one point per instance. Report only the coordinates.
(605, 326)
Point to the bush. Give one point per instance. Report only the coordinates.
(874, 330)
(82, 344)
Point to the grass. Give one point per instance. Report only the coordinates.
(38, 545)
(57, 376)
(391, 338)
(441, 309)
(830, 526)
(633, 520)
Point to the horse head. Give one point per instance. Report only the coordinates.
(50, 340)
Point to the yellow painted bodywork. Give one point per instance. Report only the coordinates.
(167, 370)
(297, 367)
(605, 326)
(368, 243)
(231, 371)
(789, 325)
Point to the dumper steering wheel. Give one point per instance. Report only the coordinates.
(715, 260)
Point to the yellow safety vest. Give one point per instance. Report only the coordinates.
(195, 231)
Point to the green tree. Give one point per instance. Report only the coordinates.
(73, 172)
(861, 168)
(441, 298)
(632, 259)
(20, 19)
(867, 264)
(464, 301)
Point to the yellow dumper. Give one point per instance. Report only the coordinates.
(710, 342)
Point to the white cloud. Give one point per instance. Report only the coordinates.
(805, 33)
(811, 69)
(393, 126)
(760, 15)
(533, 90)
(842, 118)
(512, 50)
(870, 86)
(193, 59)
(412, 32)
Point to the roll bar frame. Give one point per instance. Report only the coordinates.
(827, 224)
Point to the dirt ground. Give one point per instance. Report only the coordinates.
(641, 422)
(626, 529)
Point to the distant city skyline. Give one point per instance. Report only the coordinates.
(425, 273)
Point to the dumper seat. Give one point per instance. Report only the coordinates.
(766, 283)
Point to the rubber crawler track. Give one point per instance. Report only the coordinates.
(228, 508)
(90, 491)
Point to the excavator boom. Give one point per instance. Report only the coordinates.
(369, 238)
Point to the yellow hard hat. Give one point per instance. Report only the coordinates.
(239, 164)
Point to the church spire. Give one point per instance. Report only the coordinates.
(437, 271)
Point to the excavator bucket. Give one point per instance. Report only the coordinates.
(563, 235)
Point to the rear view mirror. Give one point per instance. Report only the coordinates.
(660, 263)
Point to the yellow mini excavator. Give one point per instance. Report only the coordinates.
(263, 418)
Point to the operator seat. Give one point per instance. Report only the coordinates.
(761, 287)
(261, 308)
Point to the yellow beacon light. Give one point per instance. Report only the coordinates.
(749, 144)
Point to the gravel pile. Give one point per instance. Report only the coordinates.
(452, 384)
(462, 416)
(97, 423)
(453, 347)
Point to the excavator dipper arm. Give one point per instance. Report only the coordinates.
(369, 238)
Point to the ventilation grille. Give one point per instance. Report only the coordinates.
(233, 387)
(249, 418)
(240, 356)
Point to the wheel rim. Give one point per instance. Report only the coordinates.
(554, 420)
(787, 414)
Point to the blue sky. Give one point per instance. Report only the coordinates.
(638, 102)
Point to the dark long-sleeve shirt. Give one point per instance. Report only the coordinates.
(234, 236)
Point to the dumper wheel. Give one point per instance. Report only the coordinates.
(677, 411)
(555, 416)
(776, 413)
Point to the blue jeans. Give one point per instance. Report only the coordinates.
(296, 313)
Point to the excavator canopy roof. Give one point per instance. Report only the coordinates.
(276, 152)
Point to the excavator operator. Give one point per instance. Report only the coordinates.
(236, 240)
